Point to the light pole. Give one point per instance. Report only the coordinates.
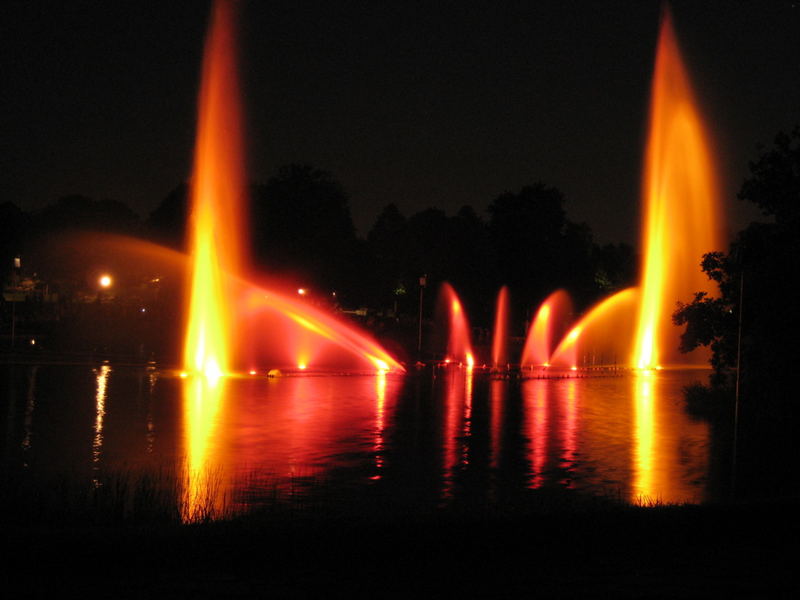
(422, 283)
(15, 281)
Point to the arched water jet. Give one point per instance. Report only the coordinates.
(269, 344)
(602, 337)
(548, 325)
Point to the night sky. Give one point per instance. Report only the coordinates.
(428, 104)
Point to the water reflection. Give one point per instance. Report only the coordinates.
(670, 450)
(380, 410)
(458, 421)
(30, 406)
(101, 376)
(643, 488)
(569, 439)
(425, 438)
(535, 393)
(498, 390)
(203, 471)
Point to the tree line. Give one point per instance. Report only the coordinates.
(302, 229)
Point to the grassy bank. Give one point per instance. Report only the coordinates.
(124, 539)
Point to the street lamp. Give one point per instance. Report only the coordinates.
(105, 281)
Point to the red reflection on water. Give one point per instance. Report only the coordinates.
(535, 393)
(290, 432)
(457, 425)
(498, 389)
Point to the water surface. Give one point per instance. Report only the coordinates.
(428, 437)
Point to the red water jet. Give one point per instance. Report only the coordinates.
(459, 346)
(500, 339)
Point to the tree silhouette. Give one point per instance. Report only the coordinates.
(302, 225)
(752, 326)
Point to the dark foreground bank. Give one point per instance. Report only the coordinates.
(736, 550)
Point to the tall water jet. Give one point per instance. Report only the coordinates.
(681, 217)
(459, 346)
(500, 339)
(548, 325)
(217, 192)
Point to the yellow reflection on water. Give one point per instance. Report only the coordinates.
(644, 440)
(101, 384)
(570, 428)
(380, 410)
(203, 493)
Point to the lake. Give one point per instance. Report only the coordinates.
(432, 437)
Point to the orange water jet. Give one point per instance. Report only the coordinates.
(682, 217)
(217, 193)
(602, 336)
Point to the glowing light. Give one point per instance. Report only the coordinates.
(203, 494)
(500, 339)
(184, 375)
(644, 439)
(603, 330)
(215, 231)
(550, 321)
(459, 346)
(102, 375)
(253, 371)
(105, 281)
(681, 217)
(301, 366)
(302, 291)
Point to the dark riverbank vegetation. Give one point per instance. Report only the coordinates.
(121, 536)
(302, 234)
(751, 326)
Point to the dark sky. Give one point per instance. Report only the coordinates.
(421, 104)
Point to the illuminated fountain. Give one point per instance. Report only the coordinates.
(682, 217)
(601, 336)
(500, 339)
(549, 324)
(226, 315)
(682, 220)
(459, 346)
